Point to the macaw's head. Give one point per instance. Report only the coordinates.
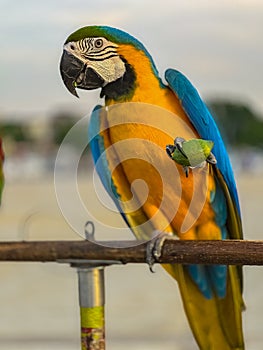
(104, 57)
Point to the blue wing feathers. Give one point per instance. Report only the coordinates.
(204, 123)
(219, 205)
(96, 143)
(199, 275)
(97, 150)
(217, 275)
(207, 277)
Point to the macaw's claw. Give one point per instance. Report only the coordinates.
(186, 170)
(150, 260)
(211, 159)
(154, 248)
(178, 142)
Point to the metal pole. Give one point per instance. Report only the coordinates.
(92, 301)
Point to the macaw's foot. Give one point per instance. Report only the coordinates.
(154, 247)
(211, 159)
(186, 170)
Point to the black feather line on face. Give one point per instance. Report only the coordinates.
(97, 58)
(121, 88)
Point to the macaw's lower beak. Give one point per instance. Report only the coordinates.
(76, 74)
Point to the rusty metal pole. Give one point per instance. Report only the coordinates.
(92, 302)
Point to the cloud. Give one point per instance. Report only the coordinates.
(217, 44)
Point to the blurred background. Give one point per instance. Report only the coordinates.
(218, 45)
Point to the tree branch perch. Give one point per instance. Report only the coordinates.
(230, 252)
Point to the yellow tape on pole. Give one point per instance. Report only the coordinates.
(92, 328)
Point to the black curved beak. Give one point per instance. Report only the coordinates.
(76, 74)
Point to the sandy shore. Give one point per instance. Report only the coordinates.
(39, 303)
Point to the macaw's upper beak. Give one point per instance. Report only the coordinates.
(76, 74)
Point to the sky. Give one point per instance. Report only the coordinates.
(217, 44)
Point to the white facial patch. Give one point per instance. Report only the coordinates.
(100, 55)
(110, 69)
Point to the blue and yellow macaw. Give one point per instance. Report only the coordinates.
(141, 116)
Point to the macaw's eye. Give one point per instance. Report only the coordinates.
(72, 47)
(98, 43)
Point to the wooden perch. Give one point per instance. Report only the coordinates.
(230, 252)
